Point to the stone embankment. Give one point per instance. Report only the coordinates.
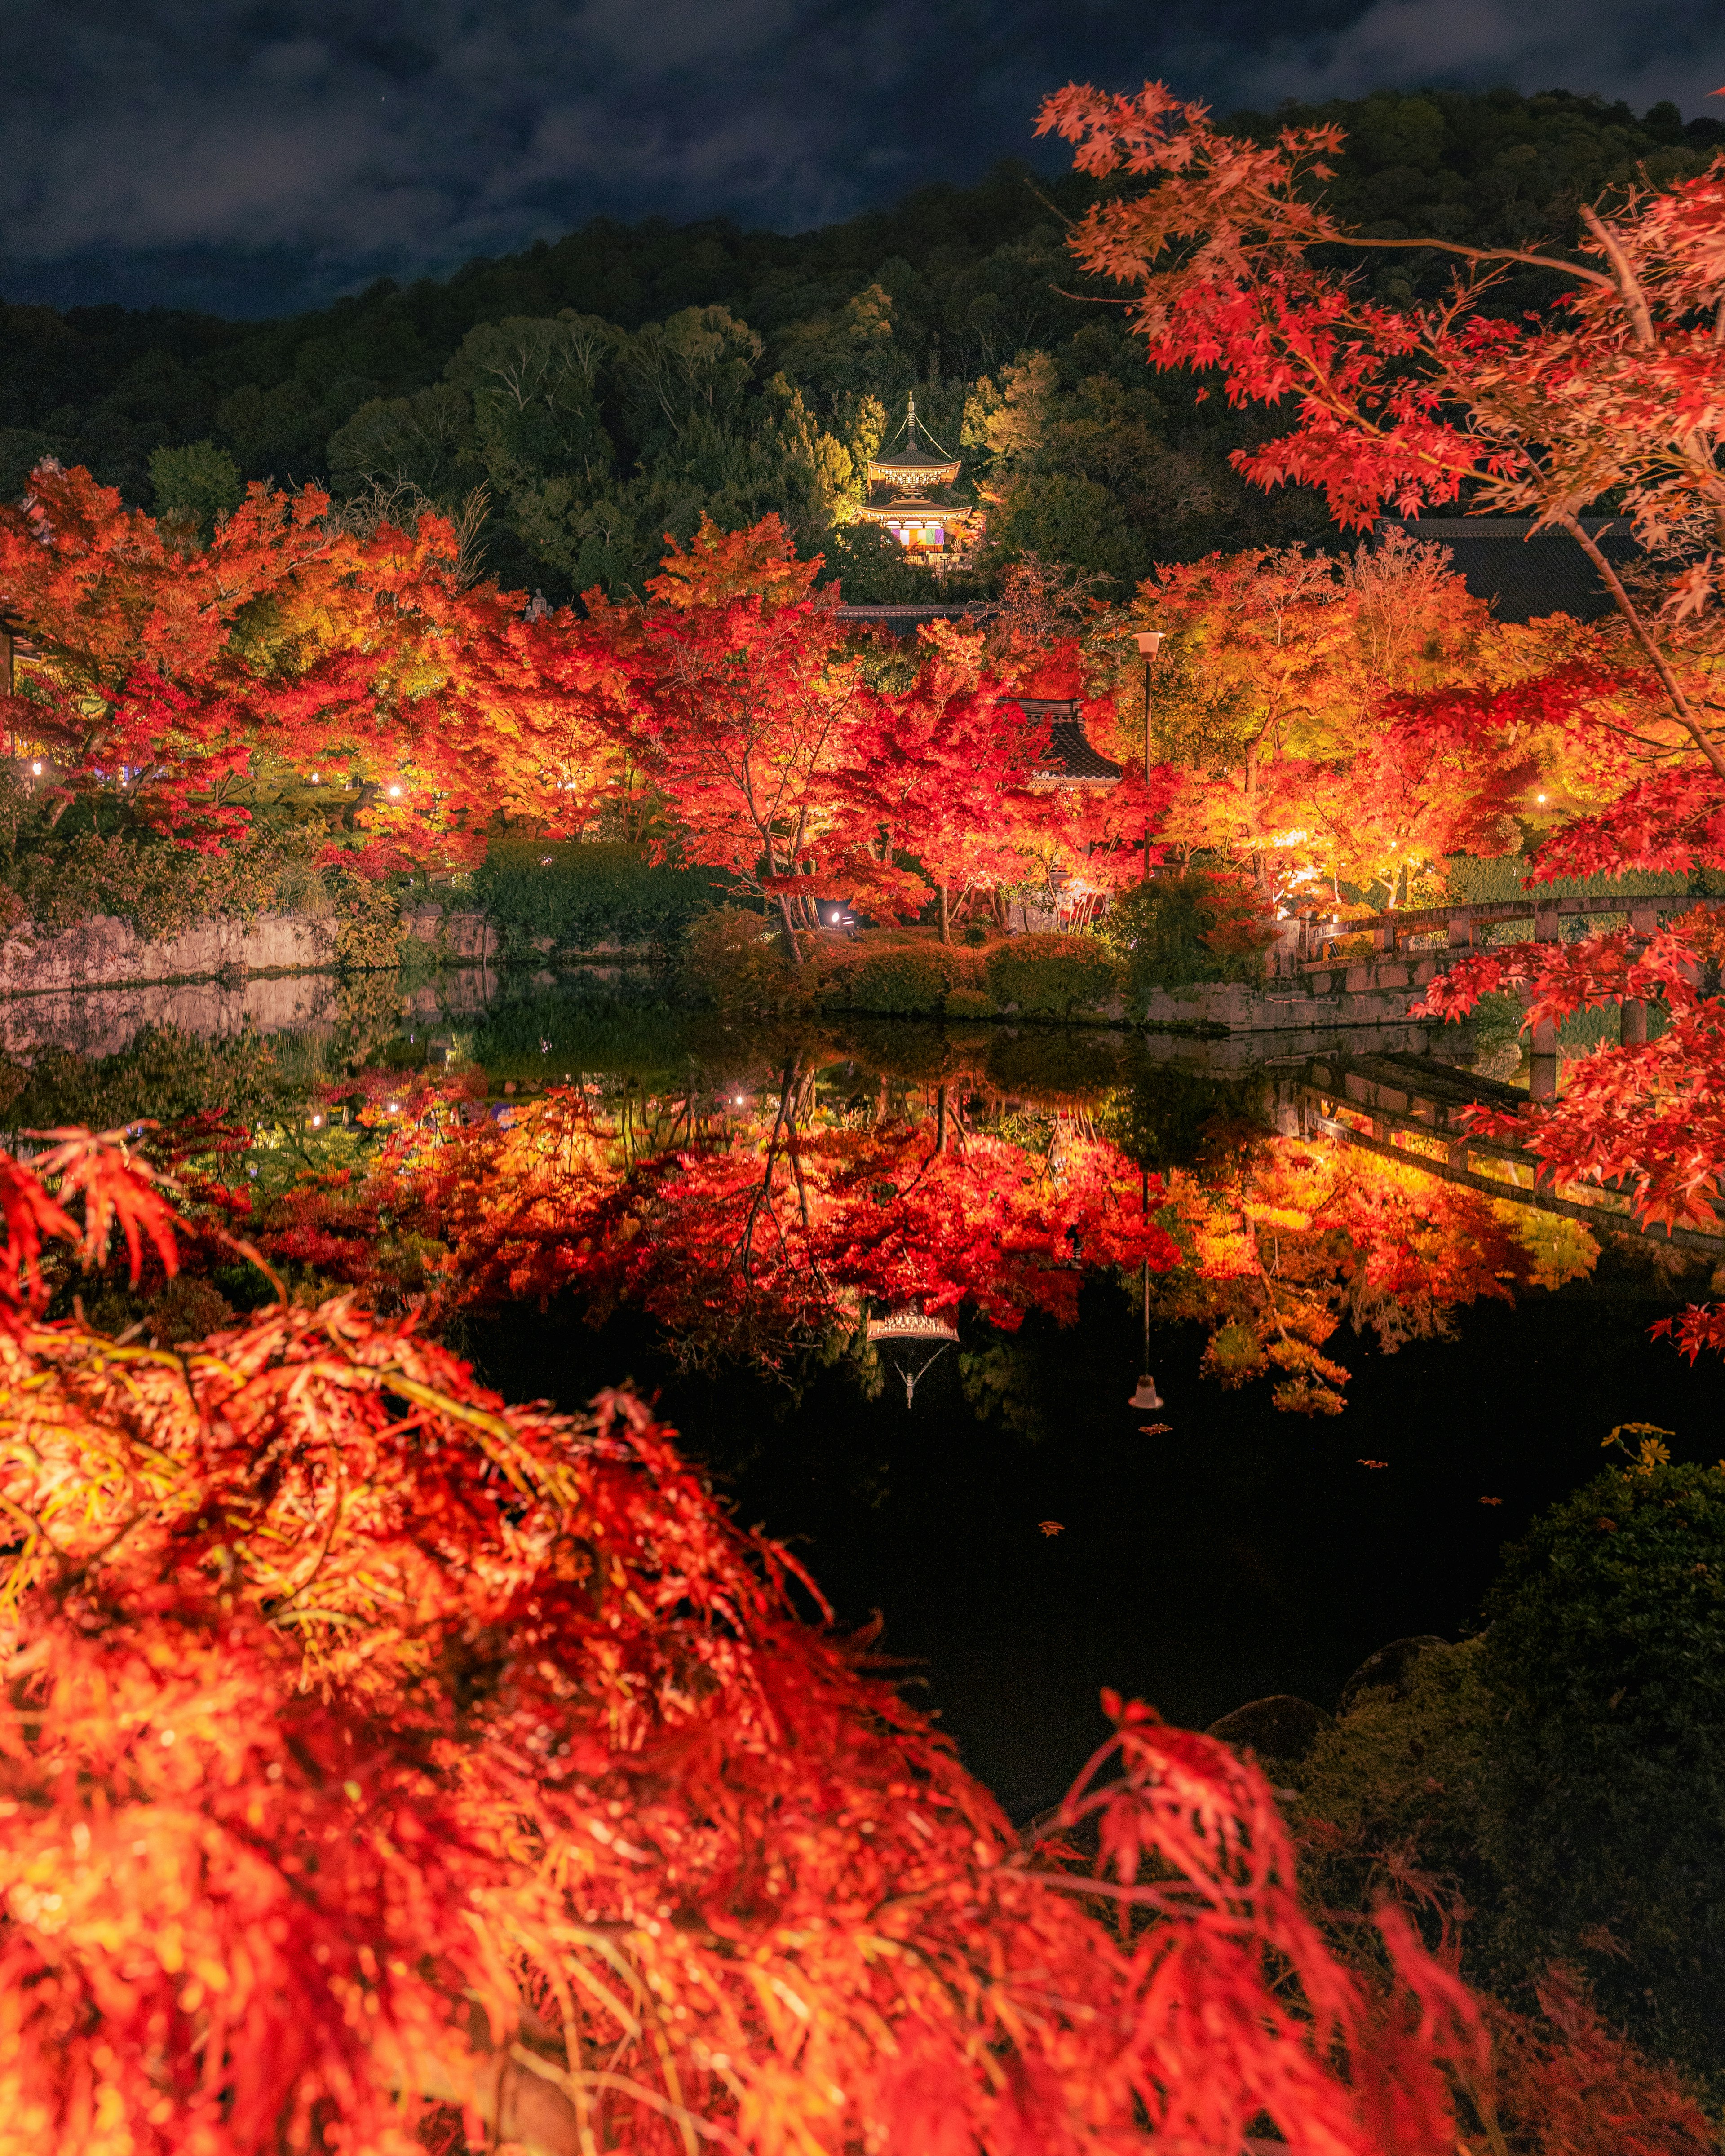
(1374, 992)
(91, 989)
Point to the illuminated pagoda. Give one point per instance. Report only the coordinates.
(899, 480)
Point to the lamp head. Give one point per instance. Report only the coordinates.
(1147, 1395)
(1149, 642)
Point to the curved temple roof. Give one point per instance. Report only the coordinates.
(1072, 761)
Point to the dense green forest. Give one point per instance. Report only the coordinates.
(606, 389)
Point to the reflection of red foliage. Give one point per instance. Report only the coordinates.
(748, 1240)
(381, 1763)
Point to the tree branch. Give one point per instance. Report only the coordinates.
(1644, 636)
(1477, 254)
(1629, 285)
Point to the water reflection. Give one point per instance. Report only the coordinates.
(462, 1159)
(775, 1194)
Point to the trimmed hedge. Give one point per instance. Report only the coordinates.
(908, 978)
(1606, 1651)
(1052, 976)
(541, 893)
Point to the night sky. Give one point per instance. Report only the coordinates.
(252, 160)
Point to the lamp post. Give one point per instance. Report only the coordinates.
(1149, 644)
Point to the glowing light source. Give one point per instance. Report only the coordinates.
(36, 768)
(1147, 1395)
(394, 792)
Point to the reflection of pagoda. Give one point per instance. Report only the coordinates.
(899, 481)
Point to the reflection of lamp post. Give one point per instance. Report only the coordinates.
(1149, 643)
(1147, 1395)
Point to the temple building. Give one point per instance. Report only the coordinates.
(901, 479)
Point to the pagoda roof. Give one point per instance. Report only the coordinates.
(909, 510)
(918, 459)
(1071, 760)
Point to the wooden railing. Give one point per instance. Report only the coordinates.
(1460, 926)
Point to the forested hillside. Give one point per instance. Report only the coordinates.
(609, 387)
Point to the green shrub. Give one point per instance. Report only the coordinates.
(369, 934)
(1405, 1773)
(896, 975)
(969, 1002)
(540, 894)
(1052, 976)
(159, 889)
(735, 959)
(1473, 879)
(1175, 932)
(901, 980)
(1566, 1771)
(1606, 1655)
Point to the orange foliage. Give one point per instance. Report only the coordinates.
(1302, 1235)
(165, 675)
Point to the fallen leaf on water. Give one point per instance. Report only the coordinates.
(1371, 1463)
(1491, 1500)
(1051, 1526)
(1154, 1428)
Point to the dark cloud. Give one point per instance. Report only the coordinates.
(251, 159)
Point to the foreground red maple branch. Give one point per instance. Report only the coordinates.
(370, 1746)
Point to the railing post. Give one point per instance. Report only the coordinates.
(1632, 1017)
(1543, 1074)
(1460, 931)
(1383, 937)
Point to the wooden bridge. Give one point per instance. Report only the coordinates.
(1403, 946)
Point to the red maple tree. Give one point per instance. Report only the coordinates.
(1616, 392)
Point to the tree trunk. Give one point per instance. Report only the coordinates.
(790, 929)
(946, 914)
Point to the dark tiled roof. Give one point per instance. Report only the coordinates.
(1071, 760)
(899, 617)
(1523, 578)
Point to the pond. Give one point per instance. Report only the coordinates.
(1021, 1533)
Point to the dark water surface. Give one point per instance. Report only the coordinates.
(1246, 1553)
(1243, 1552)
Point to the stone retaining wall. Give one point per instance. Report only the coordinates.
(1376, 992)
(105, 952)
